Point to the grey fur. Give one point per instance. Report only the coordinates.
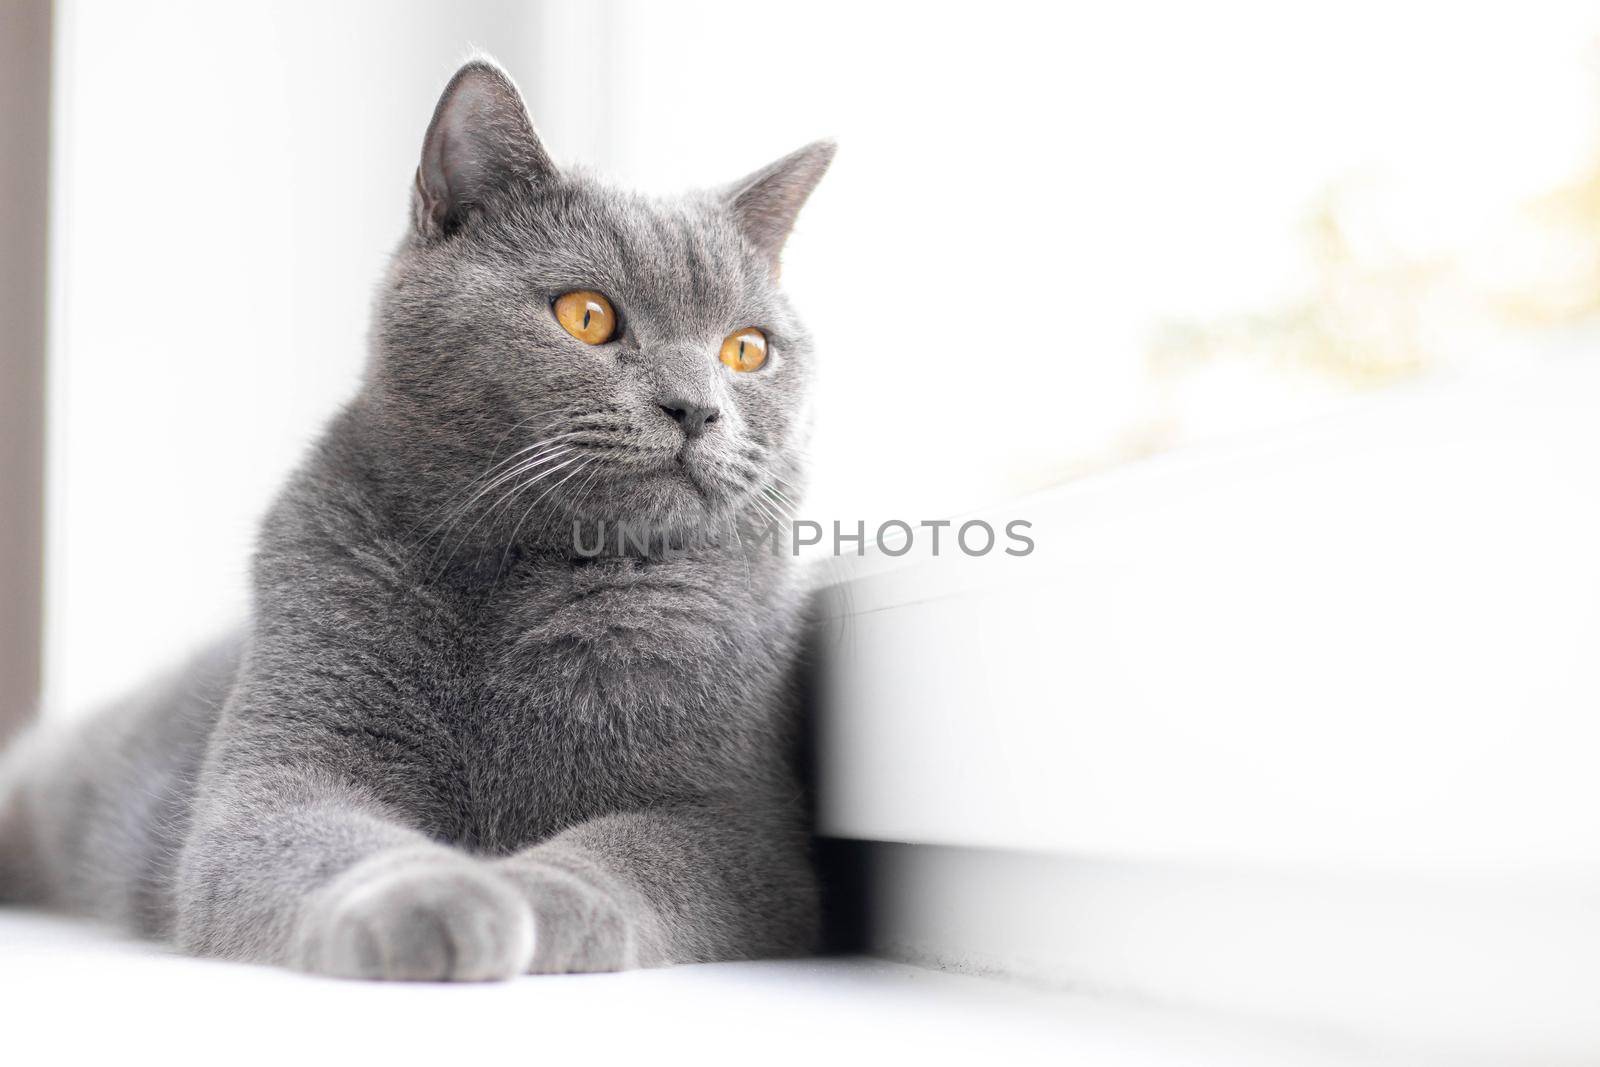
(445, 747)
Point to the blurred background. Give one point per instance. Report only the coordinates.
(1111, 231)
(1282, 322)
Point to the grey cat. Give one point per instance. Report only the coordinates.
(447, 746)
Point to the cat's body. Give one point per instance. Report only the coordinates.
(448, 745)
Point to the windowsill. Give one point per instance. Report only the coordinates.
(1300, 729)
(73, 993)
(1366, 642)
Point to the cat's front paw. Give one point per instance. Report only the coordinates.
(417, 916)
(580, 927)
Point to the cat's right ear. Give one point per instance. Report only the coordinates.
(766, 203)
(479, 142)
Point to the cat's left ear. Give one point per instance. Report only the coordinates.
(766, 203)
(479, 142)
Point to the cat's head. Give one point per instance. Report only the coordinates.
(549, 349)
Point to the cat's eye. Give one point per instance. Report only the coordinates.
(744, 349)
(586, 315)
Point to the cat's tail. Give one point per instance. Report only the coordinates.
(94, 808)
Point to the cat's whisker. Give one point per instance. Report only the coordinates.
(744, 553)
(783, 509)
(582, 493)
(518, 462)
(495, 465)
(838, 576)
(771, 494)
(772, 482)
(522, 470)
(565, 457)
(773, 518)
(498, 470)
(512, 540)
(517, 470)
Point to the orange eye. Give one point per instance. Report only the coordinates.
(586, 315)
(744, 349)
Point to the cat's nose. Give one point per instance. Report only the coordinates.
(694, 418)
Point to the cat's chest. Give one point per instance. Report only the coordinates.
(603, 686)
(600, 632)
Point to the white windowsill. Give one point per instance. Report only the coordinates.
(1367, 642)
(74, 994)
(1300, 728)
